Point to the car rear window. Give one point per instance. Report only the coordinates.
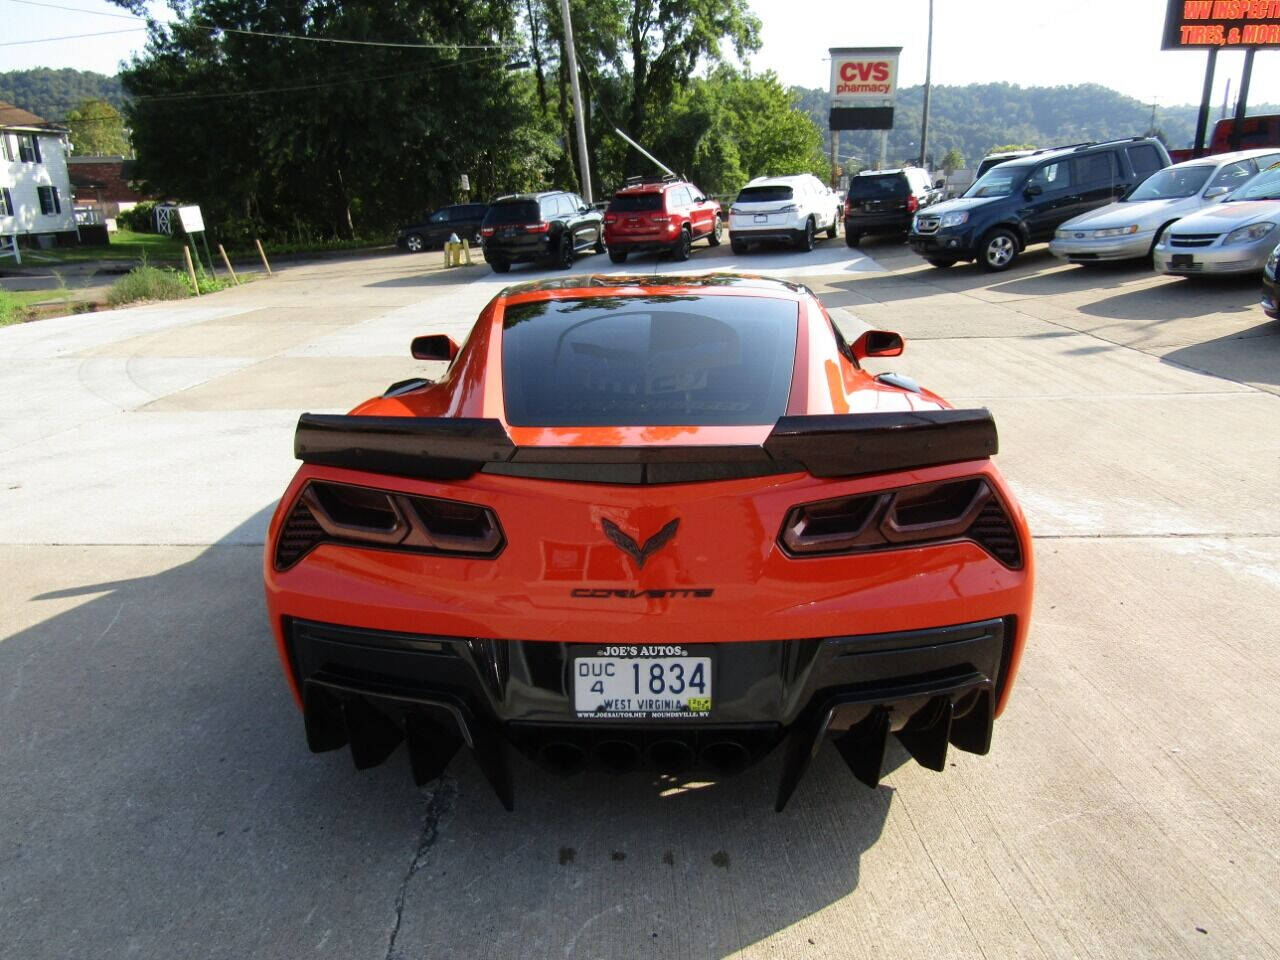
(512, 211)
(671, 360)
(765, 194)
(887, 185)
(636, 202)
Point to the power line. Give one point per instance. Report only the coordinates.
(252, 33)
(71, 36)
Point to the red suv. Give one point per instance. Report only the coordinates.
(660, 214)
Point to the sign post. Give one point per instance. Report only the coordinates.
(192, 223)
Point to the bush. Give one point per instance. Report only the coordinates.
(149, 283)
(139, 219)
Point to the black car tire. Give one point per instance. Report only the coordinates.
(737, 246)
(618, 256)
(940, 262)
(851, 239)
(680, 250)
(804, 243)
(600, 245)
(716, 234)
(414, 243)
(500, 266)
(998, 251)
(833, 231)
(564, 255)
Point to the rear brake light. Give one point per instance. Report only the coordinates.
(362, 516)
(610, 218)
(657, 219)
(926, 513)
(913, 204)
(541, 227)
(486, 231)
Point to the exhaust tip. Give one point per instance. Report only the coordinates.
(670, 756)
(617, 756)
(561, 756)
(726, 756)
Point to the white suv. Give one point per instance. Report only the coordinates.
(787, 209)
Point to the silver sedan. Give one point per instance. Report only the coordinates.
(1235, 236)
(1129, 228)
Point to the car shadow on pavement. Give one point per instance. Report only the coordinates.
(1180, 299)
(158, 799)
(1250, 356)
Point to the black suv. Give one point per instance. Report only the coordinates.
(434, 229)
(551, 227)
(885, 201)
(1024, 200)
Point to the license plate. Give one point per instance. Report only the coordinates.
(761, 218)
(1183, 260)
(641, 683)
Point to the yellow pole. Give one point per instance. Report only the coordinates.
(263, 256)
(227, 260)
(191, 271)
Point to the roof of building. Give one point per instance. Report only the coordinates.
(11, 116)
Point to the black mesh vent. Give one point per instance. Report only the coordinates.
(993, 531)
(300, 534)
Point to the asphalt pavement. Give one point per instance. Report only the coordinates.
(157, 798)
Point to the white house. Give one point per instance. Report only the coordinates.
(35, 189)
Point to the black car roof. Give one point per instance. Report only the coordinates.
(1072, 150)
(529, 196)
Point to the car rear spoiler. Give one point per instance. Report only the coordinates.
(837, 445)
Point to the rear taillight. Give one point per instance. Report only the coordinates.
(913, 204)
(610, 218)
(656, 218)
(541, 227)
(486, 231)
(926, 513)
(362, 516)
(848, 205)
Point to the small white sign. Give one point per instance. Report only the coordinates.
(466, 182)
(192, 221)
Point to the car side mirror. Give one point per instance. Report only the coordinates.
(1214, 192)
(1033, 191)
(939, 184)
(699, 199)
(877, 343)
(584, 208)
(435, 346)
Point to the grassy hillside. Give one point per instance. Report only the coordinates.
(976, 117)
(52, 93)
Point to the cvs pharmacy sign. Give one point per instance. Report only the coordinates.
(863, 76)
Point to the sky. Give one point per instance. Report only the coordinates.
(1034, 43)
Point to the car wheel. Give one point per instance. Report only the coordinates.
(716, 234)
(833, 231)
(413, 243)
(737, 246)
(805, 242)
(852, 239)
(680, 252)
(500, 266)
(618, 256)
(940, 262)
(1151, 252)
(600, 245)
(999, 250)
(564, 256)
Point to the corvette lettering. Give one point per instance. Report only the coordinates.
(680, 593)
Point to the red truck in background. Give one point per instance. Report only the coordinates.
(1263, 131)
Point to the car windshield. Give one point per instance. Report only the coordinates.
(636, 202)
(764, 194)
(1264, 186)
(638, 361)
(870, 188)
(997, 182)
(1172, 183)
(513, 211)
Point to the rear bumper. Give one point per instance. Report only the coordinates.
(1270, 297)
(646, 244)
(764, 235)
(898, 221)
(373, 689)
(525, 250)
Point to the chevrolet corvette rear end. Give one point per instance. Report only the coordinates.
(664, 522)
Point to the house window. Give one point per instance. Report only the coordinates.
(6, 148)
(28, 148)
(49, 202)
(6, 202)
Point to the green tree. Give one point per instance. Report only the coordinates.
(953, 160)
(97, 129)
(1011, 147)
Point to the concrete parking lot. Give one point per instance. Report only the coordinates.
(157, 798)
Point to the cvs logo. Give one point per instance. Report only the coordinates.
(864, 71)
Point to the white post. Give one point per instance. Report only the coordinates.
(581, 122)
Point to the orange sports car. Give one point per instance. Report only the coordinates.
(650, 521)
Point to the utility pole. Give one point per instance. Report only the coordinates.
(583, 164)
(928, 77)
